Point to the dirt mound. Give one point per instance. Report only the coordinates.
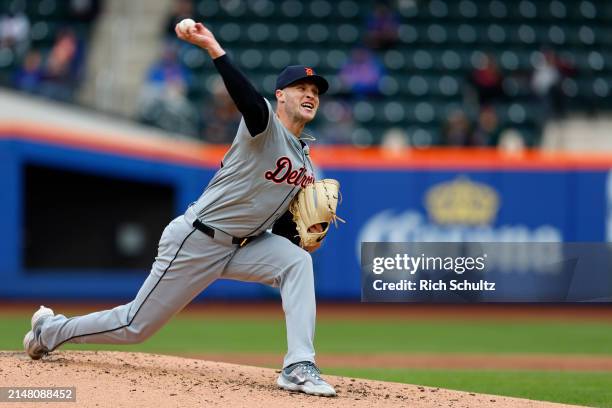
(117, 379)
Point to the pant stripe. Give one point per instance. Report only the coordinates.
(143, 302)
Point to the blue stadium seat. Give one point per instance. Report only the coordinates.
(408, 34)
(347, 9)
(228, 32)
(415, 86)
(320, 8)
(438, 9)
(363, 111)
(436, 34)
(421, 136)
(497, 10)
(258, 32)
(335, 58)
(394, 59)
(389, 86)
(448, 86)
(251, 58)
(424, 112)
(466, 34)
(318, 33)
(263, 8)
(527, 9)
(394, 112)
(309, 57)
(496, 34)
(207, 9)
(467, 9)
(451, 60)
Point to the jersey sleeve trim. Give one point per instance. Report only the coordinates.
(268, 124)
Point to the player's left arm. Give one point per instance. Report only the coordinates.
(285, 227)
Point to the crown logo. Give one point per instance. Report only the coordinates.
(463, 202)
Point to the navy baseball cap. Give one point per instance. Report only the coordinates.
(294, 73)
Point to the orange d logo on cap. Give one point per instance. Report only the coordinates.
(309, 71)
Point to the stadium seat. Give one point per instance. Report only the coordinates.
(416, 85)
(318, 33)
(497, 10)
(258, 32)
(408, 34)
(527, 9)
(363, 111)
(228, 32)
(496, 34)
(207, 8)
(394, 59)
(467, 9)
(556, 9)
(436, 34)
(348, 9)
(437, 9)
(451, 60)
(389, 86)
(335, 58)
(466, 34)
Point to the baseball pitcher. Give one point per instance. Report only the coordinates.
(226, 232)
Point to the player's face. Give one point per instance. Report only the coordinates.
(302, 101)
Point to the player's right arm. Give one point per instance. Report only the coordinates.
(249, 102)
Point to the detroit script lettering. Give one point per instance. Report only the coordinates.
(284, 173)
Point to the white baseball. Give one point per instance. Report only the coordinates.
(185, 25)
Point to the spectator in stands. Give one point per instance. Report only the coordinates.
(163, 100)
(28, 76)
(457, 130)
(62, 70)
(220, 117)
(486, 82)
(487, 130)
(548, 74)
(361, 74)
(15, 32)
(382, 27)
(168, 71)
(511, 141)
(394, 141)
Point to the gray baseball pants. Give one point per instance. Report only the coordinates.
(187, 262)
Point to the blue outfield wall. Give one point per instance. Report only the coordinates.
(379, 205)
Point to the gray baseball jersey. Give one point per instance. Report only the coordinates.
(258, 178)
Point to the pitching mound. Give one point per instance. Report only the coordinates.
(119, 379)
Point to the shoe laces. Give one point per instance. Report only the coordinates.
(312, 369)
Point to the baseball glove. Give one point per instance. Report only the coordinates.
(315, 204)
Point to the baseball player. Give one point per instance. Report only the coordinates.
(224, 234)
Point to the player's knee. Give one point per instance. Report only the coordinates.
(303, 257)
(301, 267)
(138, 334)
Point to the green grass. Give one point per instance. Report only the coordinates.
(582, 388)
(193, 334)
